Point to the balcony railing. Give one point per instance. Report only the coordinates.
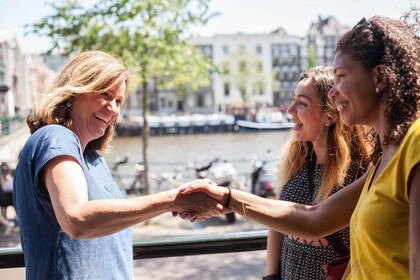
(172, 247)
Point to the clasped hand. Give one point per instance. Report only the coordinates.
(203, 199)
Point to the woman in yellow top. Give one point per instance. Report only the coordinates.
(376, 68)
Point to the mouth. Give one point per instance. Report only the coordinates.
(341, 107)
(102, 118)
(297, 125)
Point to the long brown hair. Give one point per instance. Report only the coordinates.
(344, 143)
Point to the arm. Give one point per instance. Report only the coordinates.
(274, 244)
(309, 222)
(80, 218)
(414, 222)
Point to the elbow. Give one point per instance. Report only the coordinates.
(75, 227)
(75, 233)
(315, 227)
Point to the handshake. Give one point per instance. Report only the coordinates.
(201, 199)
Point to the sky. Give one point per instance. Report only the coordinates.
(247, 16)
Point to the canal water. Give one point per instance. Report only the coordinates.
(177, 152)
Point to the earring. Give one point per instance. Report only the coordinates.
(68, 104)
(377, 90)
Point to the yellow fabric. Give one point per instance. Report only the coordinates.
(379, 224)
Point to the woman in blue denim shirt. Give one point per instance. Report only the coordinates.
(74, 220)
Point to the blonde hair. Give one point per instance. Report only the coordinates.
(344, 143)
(86, 73)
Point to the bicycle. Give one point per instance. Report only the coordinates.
(136, 187)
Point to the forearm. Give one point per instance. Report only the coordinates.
(98, 218)
(309, 222)
(273, 260)
(282, 216)
(305, 221)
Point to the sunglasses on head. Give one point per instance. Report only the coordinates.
(365, 23)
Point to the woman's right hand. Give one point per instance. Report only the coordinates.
(218, 193)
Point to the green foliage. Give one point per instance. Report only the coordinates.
(138, 31)
(312, 59)
(249, 77)
(191, 69)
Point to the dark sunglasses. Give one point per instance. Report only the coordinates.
(365, 23)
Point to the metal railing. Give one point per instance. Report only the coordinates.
(10, 124)
(172, 246)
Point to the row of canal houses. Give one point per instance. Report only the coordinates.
(278, 60)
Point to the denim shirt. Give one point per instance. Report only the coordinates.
(48, 251)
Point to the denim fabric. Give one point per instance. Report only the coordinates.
(49, 252)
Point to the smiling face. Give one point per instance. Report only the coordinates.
(92, 114)
(354, 91)
(307, 113)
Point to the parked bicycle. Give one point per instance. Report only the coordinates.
(221, 172)
(133, 187)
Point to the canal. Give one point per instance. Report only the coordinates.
(178, 152)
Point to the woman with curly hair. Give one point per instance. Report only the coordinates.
(376, 69)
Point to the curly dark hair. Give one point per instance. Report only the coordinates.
(395, 44)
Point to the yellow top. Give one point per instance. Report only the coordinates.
(379, 224)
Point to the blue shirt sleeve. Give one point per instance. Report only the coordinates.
(52, 141)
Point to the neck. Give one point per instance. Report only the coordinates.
(321, 146)
(321, 153)
(83, 143)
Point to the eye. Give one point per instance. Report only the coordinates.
(339, 76)
(105, 95)
(119, 102)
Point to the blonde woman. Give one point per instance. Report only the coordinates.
(74, 220)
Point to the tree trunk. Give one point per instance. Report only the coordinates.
(185, 108)
(145, 137)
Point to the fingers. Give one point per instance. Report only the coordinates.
(196, 185)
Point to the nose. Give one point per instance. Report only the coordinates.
(291, 110)
(113, 107)
(332, 93)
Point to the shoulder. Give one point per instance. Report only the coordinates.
(53, 129)
(413, 133)
(51, 141)
(53, 134)
(411, 142)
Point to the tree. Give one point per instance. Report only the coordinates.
(140, 32)
(192, 70)
(312, 59)
(245, 71)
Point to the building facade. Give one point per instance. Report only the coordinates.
(23, 75)
(261, 70)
